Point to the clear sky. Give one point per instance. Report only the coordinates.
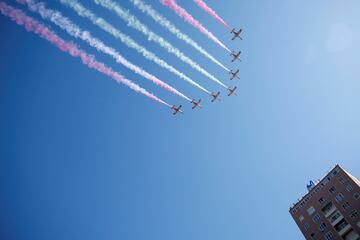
(85, 158)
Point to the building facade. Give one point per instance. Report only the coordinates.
(330, 209)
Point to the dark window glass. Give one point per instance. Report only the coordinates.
(316, 218)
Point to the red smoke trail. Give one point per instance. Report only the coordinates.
(207, 9)
(187, 17)
(32, 25)
(75, 31)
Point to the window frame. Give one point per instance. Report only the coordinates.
(322, 227)
(354, 214)
(332, 190)
(316, 218)
(329, 235)
(339, 197)
(349, 188)
(356, 194)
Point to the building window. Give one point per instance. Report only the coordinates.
(327, 208)
(322, 227)
(310, 210)
(356, 196)
(335, 216)
(349, 188)
(336, 171)
(306, 226)
(316, 218)
(342, 180)
(351, 235)
(312, 235)
(321, 200)
(354, 214)
(301, 218)
(341, 225)
(339, 197)
(332, 190)
(329, 236)
(346, 205)
(324, 182)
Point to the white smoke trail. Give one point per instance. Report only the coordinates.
(75, 31)
(31, 25)
(172, 4)
(151, 12)
(133, 22)
(101, 23)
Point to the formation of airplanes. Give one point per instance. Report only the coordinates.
(234, 74)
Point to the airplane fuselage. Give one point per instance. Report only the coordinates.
(196, 104)
(236, 56)
(215, 97)
(232, 91)
(234, 74)
(176, 109)
(236, 34)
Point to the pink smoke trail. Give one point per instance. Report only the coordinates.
(75, 31)
(32, 25)
(207, 9)
(187, 17)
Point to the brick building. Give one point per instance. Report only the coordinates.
(330, 209)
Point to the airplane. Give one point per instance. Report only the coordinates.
(177, 109)
(232, 91)
(196, 104)
(236, 34)
(234, 74)
(215, 96)
(236, 56)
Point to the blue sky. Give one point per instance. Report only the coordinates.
(85, 158)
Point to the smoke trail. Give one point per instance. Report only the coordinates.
(101, 23)
(133, 22)
(32, 25)
(147, 9)
(73, 30)
(207, 9)
(187, 17)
